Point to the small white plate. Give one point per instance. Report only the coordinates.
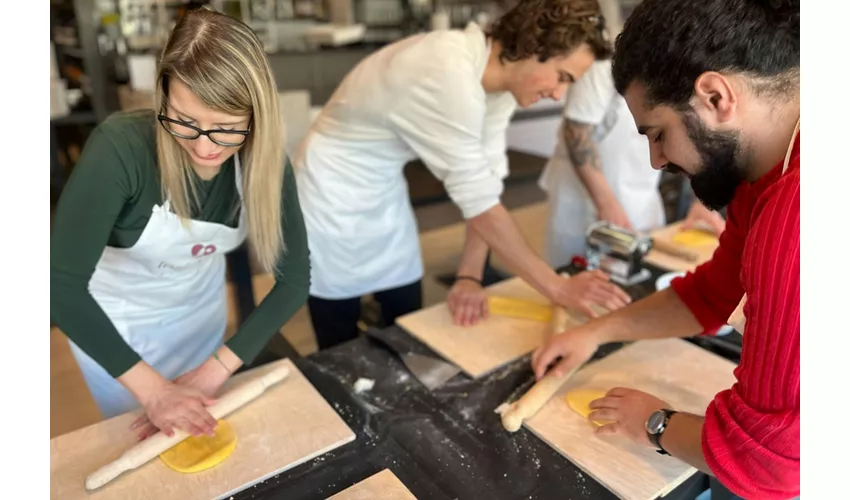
(664, 281)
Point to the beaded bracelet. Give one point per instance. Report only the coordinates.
(470, 278)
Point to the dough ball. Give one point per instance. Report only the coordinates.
(197, 453)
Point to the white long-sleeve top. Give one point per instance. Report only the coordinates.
(421, 97)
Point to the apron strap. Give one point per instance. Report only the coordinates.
(238, 174)
(791, 146)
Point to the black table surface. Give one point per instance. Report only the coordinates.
(442, 444)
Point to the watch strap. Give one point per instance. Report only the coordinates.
(655, 439)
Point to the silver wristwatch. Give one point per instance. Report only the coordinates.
(656, 424)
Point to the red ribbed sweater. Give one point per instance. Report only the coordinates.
(751, 436)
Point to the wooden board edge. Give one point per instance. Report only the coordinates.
(386, 473)
(293, 465)
(474, 375)
(662, 492)
(578, 466)
(678, 482)
(400, 322)
(491, 371)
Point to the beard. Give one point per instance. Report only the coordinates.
(721, 170)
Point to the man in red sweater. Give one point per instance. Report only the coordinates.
(714, 85)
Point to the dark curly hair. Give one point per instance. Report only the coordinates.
(667, 44)
(551, 28)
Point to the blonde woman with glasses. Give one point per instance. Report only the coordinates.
(154, 204)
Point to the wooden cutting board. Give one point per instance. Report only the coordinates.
(287, 425)
(673, 370)
(494, 342)
(382, 486)
(666, 261)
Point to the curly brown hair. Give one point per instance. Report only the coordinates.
(551, 28)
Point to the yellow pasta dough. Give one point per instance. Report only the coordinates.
(694, 238)
(198, 453)
(519, 308)
(579, 400)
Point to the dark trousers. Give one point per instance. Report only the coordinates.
(335, 321)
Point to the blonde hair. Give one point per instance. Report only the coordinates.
(223, 63)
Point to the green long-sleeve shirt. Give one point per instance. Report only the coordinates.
(108, 201)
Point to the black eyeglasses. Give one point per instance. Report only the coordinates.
(226, 138)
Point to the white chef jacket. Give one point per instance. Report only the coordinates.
(623, 155)
(420, 97)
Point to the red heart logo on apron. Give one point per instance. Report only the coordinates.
(201, 250)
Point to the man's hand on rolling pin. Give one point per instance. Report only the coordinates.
(467, 302)
(629, 410)
(699, 213)
(207, 378)
(566, 351)
(587, 288)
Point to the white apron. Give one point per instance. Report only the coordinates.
(166, 296)
(624, 156)
(366, 240)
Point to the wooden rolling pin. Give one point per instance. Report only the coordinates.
(557, 323)
(153, 446)
(543, 390)
(674, 250)
(528, 406)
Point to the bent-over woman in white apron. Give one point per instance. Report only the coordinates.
(445, 97)
(154, 204)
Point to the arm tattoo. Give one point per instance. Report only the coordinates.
(581, 147)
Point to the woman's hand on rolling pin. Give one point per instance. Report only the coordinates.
(467, 302)
(206, 378)
(177, 406)
(566, 351)
(588, 288)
